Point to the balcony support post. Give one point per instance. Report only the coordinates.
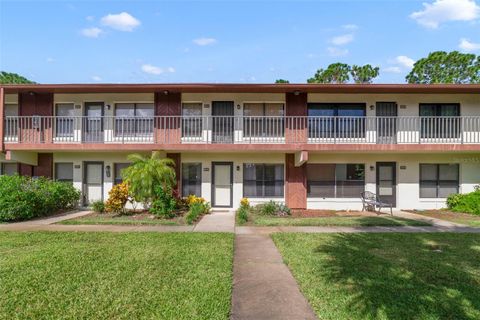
(2, 119)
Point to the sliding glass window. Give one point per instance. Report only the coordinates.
(439, 180)
(263, 120)
(64, 171)
(192, 120)
(263, 180)
(335, 180)
(440, 120)
(336, 120)
(134, 119)
(64, 120)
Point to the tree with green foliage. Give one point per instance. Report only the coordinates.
(446, 67)
(364, 74)
(335, 73)
(146, 174)
(282, 81)
(13, 78)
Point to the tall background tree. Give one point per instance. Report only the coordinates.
(12, 78)
(443, 67)
(334, 73)
(282, 81)
(341, 73)
(364, 74)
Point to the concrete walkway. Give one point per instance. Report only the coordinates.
(217, 221)
(433, 221)
(263, 287)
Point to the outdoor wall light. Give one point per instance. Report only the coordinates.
(107, 171)
(296, 93)
(108, 107)
(372, 107)
(238, 107)
(238, 168)
(372, 168)
(165, 92)
(31, 93)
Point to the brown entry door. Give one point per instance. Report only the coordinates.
(387, 182)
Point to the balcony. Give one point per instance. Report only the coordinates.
(174, 130)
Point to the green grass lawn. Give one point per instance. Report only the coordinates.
(386, 276)
(122, 220)
(336, 221)
(467, 219)
(53, 275)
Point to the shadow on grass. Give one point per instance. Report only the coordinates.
(339, 221)
(423, 277)
(387, 276)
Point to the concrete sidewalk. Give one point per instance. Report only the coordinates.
(217, 221)
(263, 287)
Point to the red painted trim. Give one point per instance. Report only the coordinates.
(295, 183)
(253, 88)
(245, 147)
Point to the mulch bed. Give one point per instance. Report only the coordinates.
(445, 214)
(311, 213)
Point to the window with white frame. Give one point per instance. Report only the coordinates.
(439, 180)
(64, 171)
(192, 119)
(134, 119)
(335, 180)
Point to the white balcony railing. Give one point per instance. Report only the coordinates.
(238, 129)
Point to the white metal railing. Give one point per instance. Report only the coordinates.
(239, 129)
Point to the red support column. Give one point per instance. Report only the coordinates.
(177, 158)
(295, 183)
(296, 121)
(2, 118)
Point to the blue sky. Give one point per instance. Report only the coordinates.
(226, 41)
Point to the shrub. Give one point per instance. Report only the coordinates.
(467, 203)
(196, 210)
(164, 204)
(191, 199)
(117, 198)
(23, 198)
(242, 214)
(272, 208)
(98, 206)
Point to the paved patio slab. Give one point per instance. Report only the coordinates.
(263, 287)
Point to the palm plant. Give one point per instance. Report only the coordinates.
(147, 173)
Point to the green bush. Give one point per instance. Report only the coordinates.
(164, 204)
(23, 198)
(242, 214)
(196, 210)
(98, 206)
(467, 203)
(272, 208)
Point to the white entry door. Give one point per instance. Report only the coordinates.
(222, 176)
(93, 182)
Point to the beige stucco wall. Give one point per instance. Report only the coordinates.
(407, 179)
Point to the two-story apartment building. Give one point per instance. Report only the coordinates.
(309, 145)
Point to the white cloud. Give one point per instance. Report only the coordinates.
(96, 78)
(392, 69)
(50, 60)
(204, 41)
(337, 52)
(404, 61)
(433, 14)
(89, 18)
(93, 32)
(468, 46)
(342, 40)
(122, 21)
(350, 27)
(151, 69)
